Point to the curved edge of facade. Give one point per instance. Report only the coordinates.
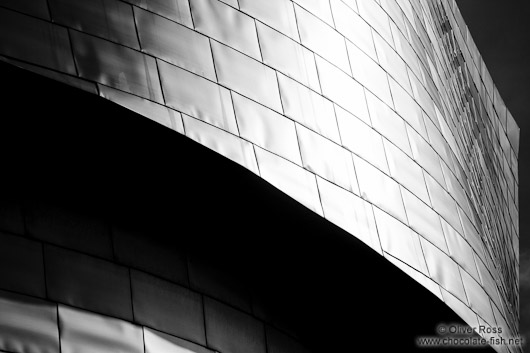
(382, 118)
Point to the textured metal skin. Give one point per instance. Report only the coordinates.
(380, 116)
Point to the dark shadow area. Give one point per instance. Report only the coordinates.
(301, 273)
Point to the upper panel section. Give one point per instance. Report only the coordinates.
(382, 112)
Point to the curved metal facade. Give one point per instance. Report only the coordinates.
(380, 116)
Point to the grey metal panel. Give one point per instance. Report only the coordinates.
(478, 298)
(426, 156)
(322, 39)
(279, 14)
(342, 89)
(288, 57)
(156, 342)
(319, 8)
(293, 180)
(175, 43)
(167, 307)
(230, 146)
(134, 246)
(87, 282)
(266, 128)
(229, 330)
(349, 212)
(110, 19)
(376, 17)
(77, 82)
(198, 97)
(246, 76)
(38, 8)
(308, 108)
(409, 110)
(35, 41)
(28, 325)
(443, 203)
(68, 226)
(392, 62)
(175, 10)
(327, 159)
(399, 241)
(353, 27)
(369, 73)
(21, 265)
(85, 332)
(424, 220)
(116, 66)
(443, 270)
(379, 189)
(388, 123)
(156, 112)
(460, 308)
(227, 25)
(361, 139)
(406, 171)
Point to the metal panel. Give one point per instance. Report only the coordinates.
(110, 19)
(399, 241)
(21, 265)
(174, 43)
(156, 112)
(37, 8)
(228, 145)
(424, 220)
(227, 25)
(198, 97)
(230, 330)
(176, 10)
(406, 172)
(349, 212)
(379, 189)
(296, 182)
(376, 17)
(266, 128)
(308, 108)
(87, 282)
(156, 342)
(425, 155)
(353, 27)
(28, 325)
(116, 66)
(443, 270)
(167, 307)
(319, 8)
(361, 139)
(388, 123)
(392, 62)
(84, 332)
(279, 14)
(342, 89)
(478, 299)
(246, 76)
(369, 73)
(327, 159)
(288, 57)
(409, 110)
(35, 41)
(322, 39)
(443, 203)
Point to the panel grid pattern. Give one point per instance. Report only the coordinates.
(387, 107)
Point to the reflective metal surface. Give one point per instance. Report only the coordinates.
(380, 116)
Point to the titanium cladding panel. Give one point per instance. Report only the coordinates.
(379, 116)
